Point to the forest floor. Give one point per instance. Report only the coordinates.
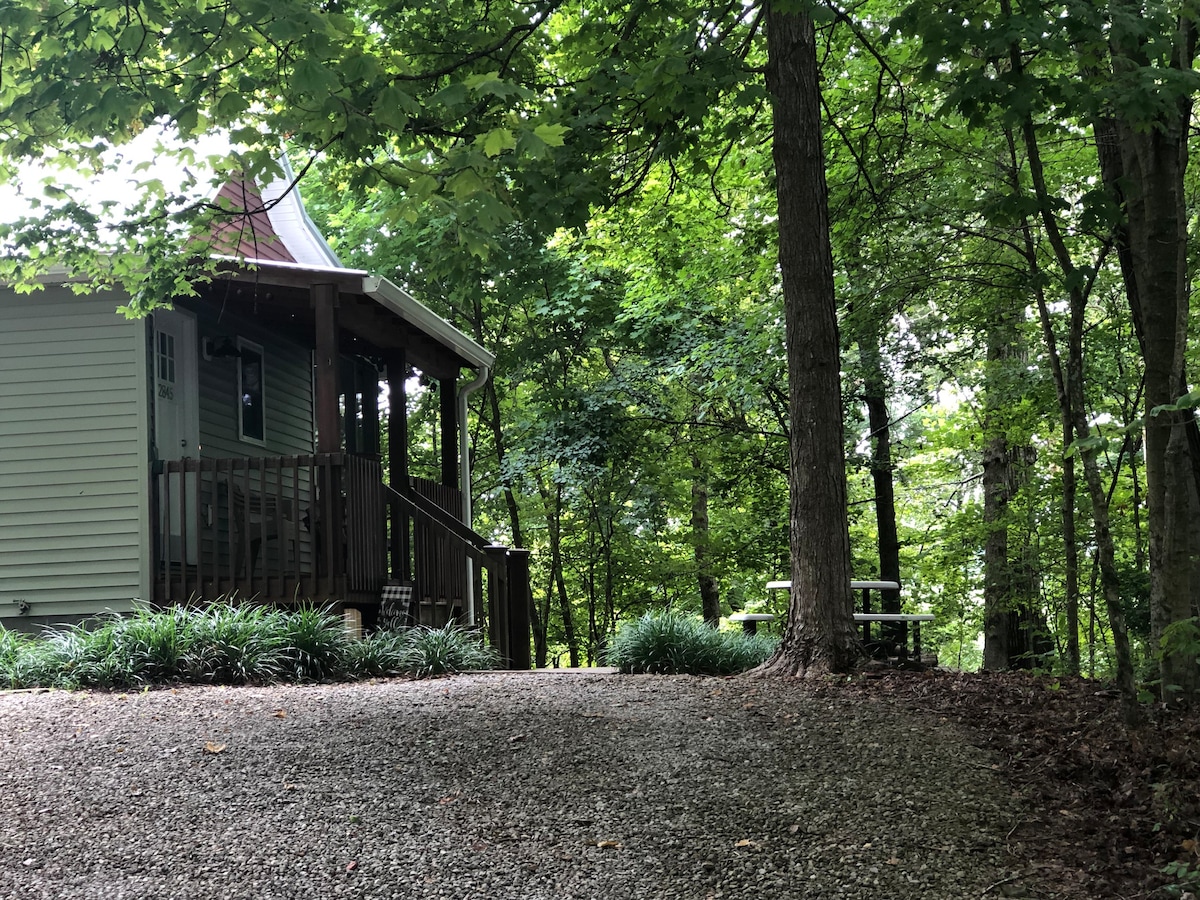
(1114, 811)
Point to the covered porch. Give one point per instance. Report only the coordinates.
(338, 524)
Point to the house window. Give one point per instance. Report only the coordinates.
(166, 358)
(251, 413)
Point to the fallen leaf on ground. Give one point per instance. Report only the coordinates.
(609, 845)
(745, 842)
(280, 714)
(352, 865)
(213, 747)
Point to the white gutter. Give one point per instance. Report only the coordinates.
(407, 307)
(464, 464)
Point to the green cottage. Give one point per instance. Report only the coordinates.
(231, 446)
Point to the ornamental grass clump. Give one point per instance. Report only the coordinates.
(429, 652)
(378, 654)
(25, 661)
(667, 643)
(229, 644)
(314, 644)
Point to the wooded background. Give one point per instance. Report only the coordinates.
(596, 191)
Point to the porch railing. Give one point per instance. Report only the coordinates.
(432, 545)
(275, 528)
(321, 528)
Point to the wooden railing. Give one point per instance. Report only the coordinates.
(320, 528)
(278, 528)
(434, 546)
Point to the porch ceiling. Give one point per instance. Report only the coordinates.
(280, 296)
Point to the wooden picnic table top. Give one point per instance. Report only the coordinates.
(854, 585)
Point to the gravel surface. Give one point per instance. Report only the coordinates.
(531, 785)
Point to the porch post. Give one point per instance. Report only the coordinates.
(397, 461)
(350, 418)
(447, 388)
(519, 600)
(370, 411)
(329, 436)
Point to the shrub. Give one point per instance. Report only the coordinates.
(314, 644)
(666, 643)
(234, 645)
(378, 653)
(79, 656)
(25, 661)
(228, 644)
(427, 652)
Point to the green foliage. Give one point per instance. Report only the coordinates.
(313, 644)
(429, 652)
(228, 644)
(1183, 878)
(669, 643)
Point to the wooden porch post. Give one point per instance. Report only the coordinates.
(350, 416)
(329, 432)
(370, 411)
(397, 461)
(449, 407)
(518, 609)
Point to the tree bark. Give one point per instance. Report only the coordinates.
(1153, 163)
(819, 636)
(1144, 156)
(875, 393)
(536, 622)
(1069, 385)
(710, 596)
(553, 506)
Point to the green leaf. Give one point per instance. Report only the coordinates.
(497, 141)
(552, 135)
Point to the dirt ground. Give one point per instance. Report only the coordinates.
(1122, 809)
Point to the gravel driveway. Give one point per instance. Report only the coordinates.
(494, 786)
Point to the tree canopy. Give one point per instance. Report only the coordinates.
(973, 369)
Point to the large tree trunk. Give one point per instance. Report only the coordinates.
(1144, 157)
(819, 636)
(1014, 629)
(1153, 163)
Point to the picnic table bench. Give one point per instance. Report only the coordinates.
(867, 617)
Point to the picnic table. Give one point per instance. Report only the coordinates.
(866, 618)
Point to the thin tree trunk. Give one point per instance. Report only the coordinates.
(537, 622)
(1070, 556)
(553, 506)
(1069, 384)
(879, 422)
(710, 596)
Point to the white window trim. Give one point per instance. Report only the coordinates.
(242, 343)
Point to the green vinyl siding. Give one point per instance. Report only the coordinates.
(73, 438)
(287, 393)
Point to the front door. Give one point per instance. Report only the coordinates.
(177, 422)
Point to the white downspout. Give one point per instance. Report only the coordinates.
(464, 466)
